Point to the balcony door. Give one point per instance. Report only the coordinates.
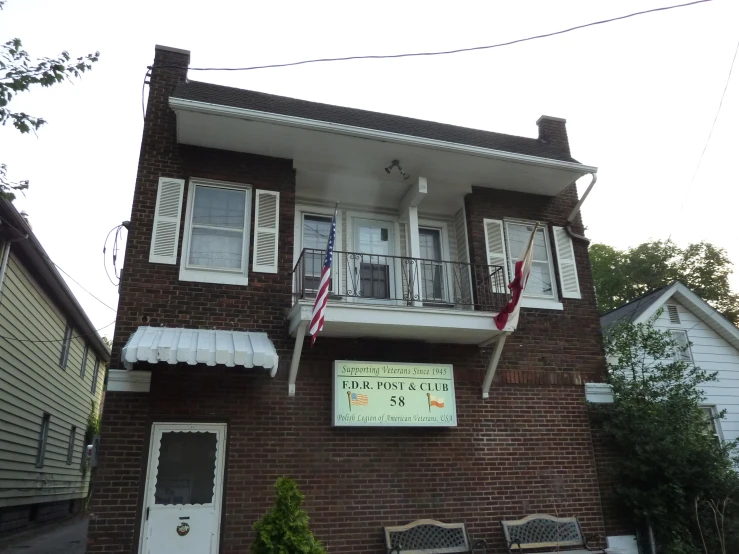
(430, 266)
(372, 265)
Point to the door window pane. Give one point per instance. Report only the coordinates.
(316, 230)
(218, 227)
(186, 470)
(431, 270)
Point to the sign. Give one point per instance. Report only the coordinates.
(384, 394)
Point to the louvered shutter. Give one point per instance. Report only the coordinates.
(166, 232)
(266, 230)
(566, 263)
(495, 246)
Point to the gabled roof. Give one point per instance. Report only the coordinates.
(15, 228)
(281, 105)
(645, 307)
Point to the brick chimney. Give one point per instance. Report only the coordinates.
(552, 130)
(169, 69)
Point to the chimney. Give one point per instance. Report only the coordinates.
(553, 131)
(169, 69)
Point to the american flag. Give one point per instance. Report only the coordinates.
(358, 399)
(319, 308)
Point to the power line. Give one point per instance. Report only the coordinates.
(438, 53)
(60, 340)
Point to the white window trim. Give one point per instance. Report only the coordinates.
(217, 276)
(551, 302)
(689, 350)
(43, 439)
(713, 409)
(322, 211)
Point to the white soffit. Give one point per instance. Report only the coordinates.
(200, 346)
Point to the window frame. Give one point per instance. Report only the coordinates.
(318, 211)
(713, 412)
(95, 376)
(678, 355)
(554, 297)
(43, 439)
(221, 276)
(70, 446)
(83, 367)
(66, 347)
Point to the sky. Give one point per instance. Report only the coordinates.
(639, 97)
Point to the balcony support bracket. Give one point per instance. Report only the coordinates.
(295, 362)
(498, 343)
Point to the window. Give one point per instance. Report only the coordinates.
(70, 446)
(43, 435)
(64, 356)
(95, 376)
(712, 421)
(316, 230)
(541, 279)
(216, 245)
(84, 362)
(682, 347)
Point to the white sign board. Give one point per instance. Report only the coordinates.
(387, 394)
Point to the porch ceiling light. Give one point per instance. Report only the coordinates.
(396, 163)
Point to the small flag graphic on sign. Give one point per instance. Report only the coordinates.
(357, 399)
(435, 401)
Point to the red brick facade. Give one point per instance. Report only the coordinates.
(528, 448)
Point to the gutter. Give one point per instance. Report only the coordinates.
(373, 134)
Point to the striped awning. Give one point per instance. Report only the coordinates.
(200, 346)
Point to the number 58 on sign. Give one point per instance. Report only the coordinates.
(383, 394)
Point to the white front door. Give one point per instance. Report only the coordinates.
(373, 267)
(184, 488)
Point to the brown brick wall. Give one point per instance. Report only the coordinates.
(528, 448)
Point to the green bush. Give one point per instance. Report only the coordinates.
(284, 529)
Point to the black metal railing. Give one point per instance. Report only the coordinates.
(402, 281)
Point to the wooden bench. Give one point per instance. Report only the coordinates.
(540, 531)
(427, 536)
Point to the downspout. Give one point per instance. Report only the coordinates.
(576, 210)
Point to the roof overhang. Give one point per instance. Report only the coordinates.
(702, 310)
(325, 146)
(200, 346)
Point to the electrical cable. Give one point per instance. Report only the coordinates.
(60, 340)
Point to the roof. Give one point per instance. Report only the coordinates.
(15, 228)
(645, 307)
(200, 346)
(282, 105)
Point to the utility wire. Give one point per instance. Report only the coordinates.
(60, 340)
(443, 52)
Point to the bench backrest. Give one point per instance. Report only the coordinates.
(542, 531)
(428, 536)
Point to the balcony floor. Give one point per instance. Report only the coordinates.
(355, 320)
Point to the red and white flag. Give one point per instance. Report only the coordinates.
(509, 314)
(319, 308)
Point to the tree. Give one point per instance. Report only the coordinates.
(621, 276)
(671, 472)
(18, 73)
(284, 529)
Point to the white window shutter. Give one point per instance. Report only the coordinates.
(166, 232)
(566, 263)
(266, 230)
(495, 246)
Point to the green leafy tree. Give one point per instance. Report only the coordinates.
(284, 529)
(18, 73)
(671, 471)
(623, 275)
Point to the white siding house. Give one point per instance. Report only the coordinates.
(714, 345)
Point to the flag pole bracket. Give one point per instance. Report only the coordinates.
(497, 344)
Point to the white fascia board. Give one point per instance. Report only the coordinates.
(657, 304)
(362, 132)
(122, 380)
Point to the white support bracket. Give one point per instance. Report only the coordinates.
(295, 362)
(493, 365)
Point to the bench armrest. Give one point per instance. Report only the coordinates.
(590, 538)
(511, 543)
(480, 542)
(394, 549)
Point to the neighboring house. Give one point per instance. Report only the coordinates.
(52, 367)
(709, 340)
(411, 404)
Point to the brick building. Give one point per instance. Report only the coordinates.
(209, 380)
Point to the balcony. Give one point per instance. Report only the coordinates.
(399, 297)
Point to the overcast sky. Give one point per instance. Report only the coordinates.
(639, 97)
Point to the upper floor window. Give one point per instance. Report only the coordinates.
(713, 424)
(682, 346)
(541, 279)
(66, 343)
(216, 243)
(70, 445)
(95, 373)
(42, 438)
(84, 361)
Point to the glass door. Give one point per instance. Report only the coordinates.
(372, 263)
(430, 266)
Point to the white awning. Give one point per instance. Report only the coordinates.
(200, 346)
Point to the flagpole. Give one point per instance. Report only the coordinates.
(349, 399)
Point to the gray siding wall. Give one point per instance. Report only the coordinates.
(32, 383)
